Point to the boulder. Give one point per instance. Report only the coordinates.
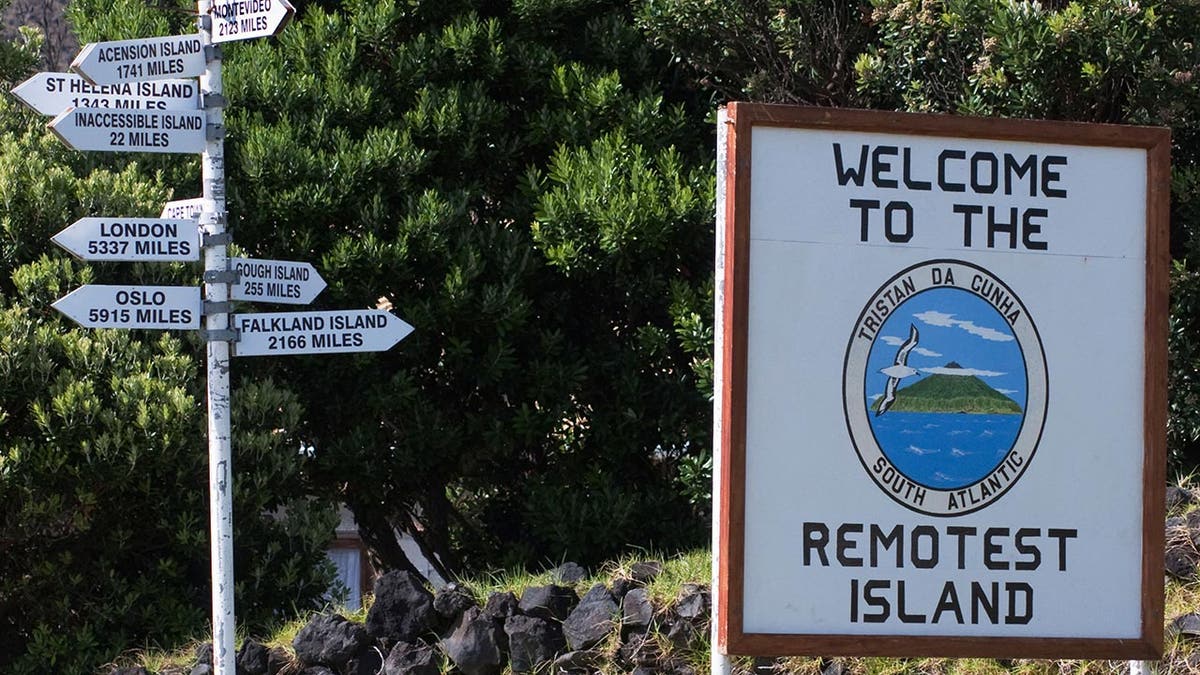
(833, 667)
(646, 571)
(409, 658)
(368, 662)
(620, 586)
(639, 649)
(1180, 557)
(452, 600)
(552, 602)
(403, 608)
(591, 620)
(252, 658)
(681, 633)
(1181, 561)
(1178, 498)
(693, 602)
(636, 610)
(277, 660)
(204, 653)
(475, 644)
(201, 669)
(581, 661)
(1187, 625)
(329, 640)
(532, 642)
(1191, 523)
(568, 573)
(500, 606)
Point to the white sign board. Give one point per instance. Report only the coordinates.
(941, 334)
(282, 281)
(96, 306)
(159, 58)
(176, 131)
(52, 93)
(247, 19)
(328, 332)
(183, 208)
(131, 239)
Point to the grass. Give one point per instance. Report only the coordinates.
(694, 567)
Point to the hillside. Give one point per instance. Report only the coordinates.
(951, 394)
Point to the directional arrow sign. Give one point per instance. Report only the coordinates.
(52, 93)
(131, 239)
(346, 330)
(95, 306)
(247, 19)
(291, 283)
(180, 131)
(160, 58)
(183, 208)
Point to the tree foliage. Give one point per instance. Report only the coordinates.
(516, 183)
(530, 185)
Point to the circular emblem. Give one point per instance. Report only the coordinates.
(945, 387)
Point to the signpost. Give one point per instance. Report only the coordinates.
(282, 281)
(942, 349)
(52, 93)
(160, 58)
(247, 19)
(131, 239)
(176, 131)
(168, 307)
(346, 330)
(128, 97)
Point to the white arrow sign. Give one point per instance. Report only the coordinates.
(131, 239)
(95, 306)
(52, 93)
(183, 208)
(180, 131)
(160, 58)
(291, 283)
(247, 19)
(346, 330)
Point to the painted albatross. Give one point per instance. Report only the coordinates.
(898, 371)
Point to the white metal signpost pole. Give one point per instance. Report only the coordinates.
(216, 293)
(719, 661)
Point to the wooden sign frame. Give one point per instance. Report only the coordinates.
(740, 119)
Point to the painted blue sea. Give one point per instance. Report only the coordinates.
(945, 450)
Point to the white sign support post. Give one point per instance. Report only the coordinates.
(218, 336)
(719, 661)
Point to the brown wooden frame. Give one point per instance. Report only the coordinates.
(741, 118)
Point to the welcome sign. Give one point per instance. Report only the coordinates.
(942, 406)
